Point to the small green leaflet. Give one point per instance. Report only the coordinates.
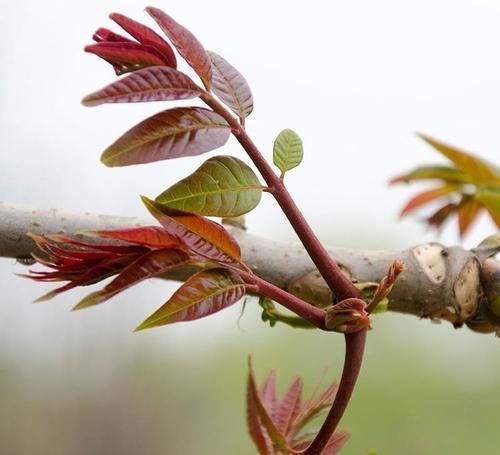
(222, 186)
(287, 151)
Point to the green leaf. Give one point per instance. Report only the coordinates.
(204, 293)
(182, 131)
(156, 83)
(287, 150)
(480, 171)
(222, 186)
(230, 86)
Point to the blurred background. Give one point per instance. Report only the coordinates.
(356, 80)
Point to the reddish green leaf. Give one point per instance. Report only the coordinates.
(145, 35)
(200, 235)
(202, 294)
(147, 266)
(148, 235)
(256, 406)
(480, 171)
(126, 55)
(186, 44)
(446, 173)
(426, 197)
(468, 210)
(182, 131)
(230, 86)
(221, 186)
(156, 83)
(289, 407)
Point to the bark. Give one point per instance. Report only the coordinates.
(450, 283)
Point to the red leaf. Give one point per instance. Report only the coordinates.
(98, 272)
(118, 249)
(288, 408)
(186, 44)
(103, 34)
(182, 131)
(441, 215)
(147, 266)
(256, 406)
(149, 235)
(145, 35)
(126, 55)
(230, 86)
(255, 426)
(426, 197)
(156, 83)
(199, 234)
(202, 294)
(269, 393)
(333, 446)
(335, 443)
(314, 405)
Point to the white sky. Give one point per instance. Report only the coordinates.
(356, 79)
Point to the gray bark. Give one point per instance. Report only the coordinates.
(439, 282)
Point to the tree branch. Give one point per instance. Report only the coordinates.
(440, 282)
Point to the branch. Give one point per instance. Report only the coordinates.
(440, 282)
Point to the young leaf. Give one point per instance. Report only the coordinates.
(255, 403)
(156, 83)
(255, 427)
(186, 44)
(103, 269)
(490, 197)
(182, 131)
(427, 196)
(147, 266)
(287, 150)
(289, 407)
(468, 210)
(103, 34)
(204, 293)
(479, 170)
(221, 186)
(148, 235)
(446, 173)
(146, 36)
(201, 235)
(126, 55)
(230, 86)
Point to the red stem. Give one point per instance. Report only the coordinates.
(329, 270)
